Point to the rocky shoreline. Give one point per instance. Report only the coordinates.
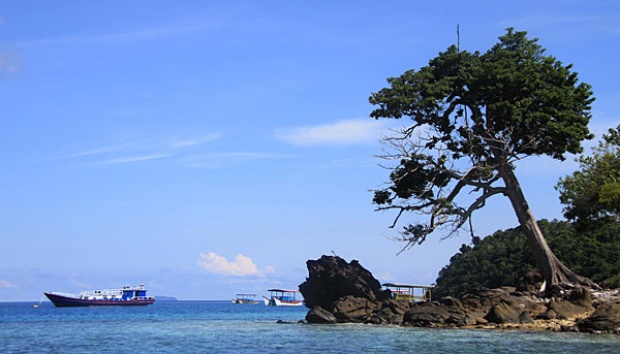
(340, 292)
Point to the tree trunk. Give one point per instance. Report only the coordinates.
(554, 272)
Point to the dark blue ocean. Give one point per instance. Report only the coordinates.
(221, 327)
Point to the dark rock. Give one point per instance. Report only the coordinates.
(430, 315)
(392, 311)
(577, 303)
(606, 318)
(509, 289)
(532, 281)
(581, 297)
(457, 318)
(503, 305)
(319, 315)
(514, 309)
(562, 310)
(351, 307)
(396, 306)
(525, 318)
(331, 278)
(375, 320)
(567, 328)
(506, 311)
(386, 316)
(426, 315)
(482, 299)
(547, 315)
(472, 319)
(451, 302)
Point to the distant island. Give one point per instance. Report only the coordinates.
(166, 298)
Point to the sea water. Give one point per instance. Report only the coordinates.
(223, 327)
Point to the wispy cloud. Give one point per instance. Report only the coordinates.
(9, 63)
(102, 150)
(242, 266)
(226, 159)
(345, 132)
(130, 159)
(246, 154)
(138, 150)
(5, 284)
(183, 143)
(143, 34)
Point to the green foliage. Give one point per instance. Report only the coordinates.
(592, 193)
(513, 93)
(503, 259)
(475, 114)
(497, 260)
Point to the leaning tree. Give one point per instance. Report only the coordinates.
(473, 116)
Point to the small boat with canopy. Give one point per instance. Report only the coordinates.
(282, 297)
(247, 299)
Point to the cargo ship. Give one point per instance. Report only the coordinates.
(126, 296)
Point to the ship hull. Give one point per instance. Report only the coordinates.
(67, 301)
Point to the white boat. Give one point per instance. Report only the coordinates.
(281, 297)
(126, 296)
(247, 299)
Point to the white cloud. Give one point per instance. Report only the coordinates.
(179, 144)
(131, 159)
(247, 155)
(8, 63)
(227, 159)
(139, 150)
(5, 284)
(213, 263)
(345, 132)
(102, 150)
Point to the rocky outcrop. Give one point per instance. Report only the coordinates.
(348, 292)
(319, 315)
(428, 314)
(392, 311)
(332, 278)
(577, 304)
(605, 319)
(340, 292)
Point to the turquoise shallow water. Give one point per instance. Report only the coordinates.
(221, 327)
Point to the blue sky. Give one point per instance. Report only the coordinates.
(212, 147)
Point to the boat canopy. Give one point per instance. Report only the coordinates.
(411, 292)
(408, 286)
(284, 291)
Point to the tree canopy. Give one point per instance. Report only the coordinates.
(592, 193)
(473, 116)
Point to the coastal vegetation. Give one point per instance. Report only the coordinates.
(588, 243)
(473, 117)
(503, 258)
